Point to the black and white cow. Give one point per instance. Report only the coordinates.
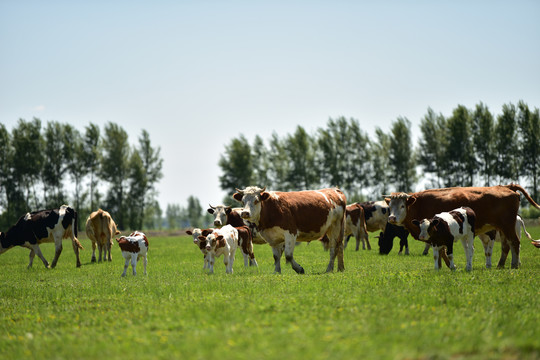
(43, 226)
(446, 227)
(386, 239)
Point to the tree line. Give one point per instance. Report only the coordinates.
(102, 167)
(471, 147)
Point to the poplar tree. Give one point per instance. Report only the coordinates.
(529, 133)
(402, 159)
(506, 145)
(432, 145)
(483, 129)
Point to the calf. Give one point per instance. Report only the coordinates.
(201, 244)
(43, 226)
(134, 247)
(224, 242)
(101, 228)
(355, 225)
(445, 228)
(386, 239)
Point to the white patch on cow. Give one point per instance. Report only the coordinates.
(325, 197)
(27, 217)
(424, 225)
(62, 210)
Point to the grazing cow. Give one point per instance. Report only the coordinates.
(226, 215)
(224, 242)
(496, 208)
(134, 247)
(100, 229)
(355, 225)
(287, 217)
(386, 239)
(43, 226)
(444, 228)
(200, 244)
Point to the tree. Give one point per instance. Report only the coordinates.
(136, 188)
(381, 163)
(115, 170)
(301, 151)
(529, 144)
(174, 214)
(432, 145)
(261, 163)
(459, 153)
(91, 157)
(402, 160)
(54, 165)
(76, 165)
(506, 145)
(194, 212)
(236, 164)
(483, 128)
(280, 165)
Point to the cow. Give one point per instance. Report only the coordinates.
(386, 239)
(101, 229)
(496, 208)
(446, 227)
(355, 225)
(287, 217)
(224, 242)
(201, 245)
(226, 215)
(134, 247)
(43, 226)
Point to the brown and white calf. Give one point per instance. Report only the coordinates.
(496, 208)
(224, 242)
(444, 229)
(200, 244)
(43, 226)
(101, 229)
(355, 225)
(134, 247)
(288, 217)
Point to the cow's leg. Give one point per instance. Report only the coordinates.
(347, 240)
(145, 263)
(134, 263)
(211, 263)
(290, 241)
(94, 245)
(358, 240)
(505, 248)
(449, 256)
(126, 264)
(108, 247)
(57, 248)
(426, 249)
(252, 261)
(277, 252)
(366, 239)
(38, 252)
(31, 256)
(404, 242)
(488, 241)
(436, 257)
(76, 244)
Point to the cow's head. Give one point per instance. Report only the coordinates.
(195, 233)
(427, 228)
(212, 240)
(2, 238)
(399, 203)
(251, 199)
(220, 213)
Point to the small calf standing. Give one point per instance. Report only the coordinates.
(445, 228)
(134, 247)
(224, 242)
(201, 244)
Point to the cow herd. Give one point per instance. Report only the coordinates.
(438, 217)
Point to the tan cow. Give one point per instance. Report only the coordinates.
(288, 217)
(496, 208)
(101, 229)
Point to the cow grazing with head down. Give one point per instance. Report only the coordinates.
(134, 247)
(43, 226)
(446, 227)
(200, 244)
(386, 239)
(101, 229)
(496, 208)
(224, 242)
(287, 217)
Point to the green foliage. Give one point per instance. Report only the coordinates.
(402, 160)
(506, 145)
(529, 134)
(483, 132)
(236, 164)
(432, 146)
(381, 307)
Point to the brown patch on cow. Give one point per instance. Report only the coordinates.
(129, 246)
(458, 218)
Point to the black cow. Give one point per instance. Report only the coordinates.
(43, 226)
(386, 239)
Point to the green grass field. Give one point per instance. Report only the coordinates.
(381, 307)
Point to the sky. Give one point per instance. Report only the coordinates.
(196, 74)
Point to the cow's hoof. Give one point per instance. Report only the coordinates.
(93, 260)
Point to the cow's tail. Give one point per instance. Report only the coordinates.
(522, 224)
(517, 187)
(74, 228)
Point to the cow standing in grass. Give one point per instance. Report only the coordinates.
(196, 233)
(287, 217)
(101, 229)
(43, 226)
(224, 242)
(134, 247)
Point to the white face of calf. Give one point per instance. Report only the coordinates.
(195, 233)
(251, 197)
(211, 241)
(424, 226)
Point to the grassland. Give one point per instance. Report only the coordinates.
(381, 307)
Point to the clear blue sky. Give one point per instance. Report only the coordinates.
(195, 74)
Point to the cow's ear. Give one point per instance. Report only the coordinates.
(411, 200)
(416, 222)
(387, 200)
(237, 196)
(265, 195)
(202, 238)
(220, 237)
(435, 222)
(228, 210)
(205, 232)
(189, 232)
(210, 211)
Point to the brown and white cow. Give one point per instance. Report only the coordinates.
(101, 229)
(201, 245)
(446, 227)
(224, 242)
(134, 247)
(287, 217)
(43, 226)
(496, 208)
(355, 225)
